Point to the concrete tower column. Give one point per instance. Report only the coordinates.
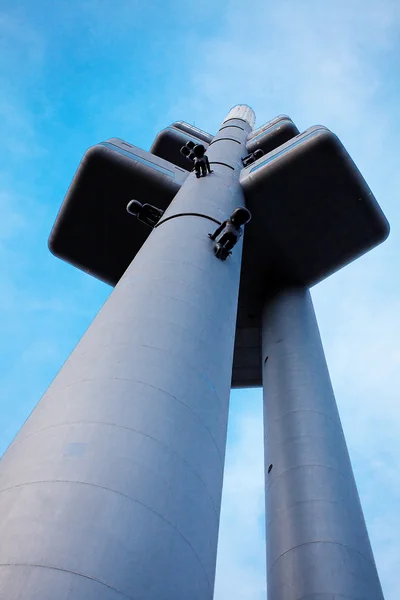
(317, 542)
(112, 488)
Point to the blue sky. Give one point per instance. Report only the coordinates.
(75, 73)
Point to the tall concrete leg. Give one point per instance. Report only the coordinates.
(112, 488)
(317, 542)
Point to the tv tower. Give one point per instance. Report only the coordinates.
(112, 488)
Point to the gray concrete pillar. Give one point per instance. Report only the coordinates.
(112, 488)
(317, 542)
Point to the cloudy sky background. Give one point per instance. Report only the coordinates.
(75, 73)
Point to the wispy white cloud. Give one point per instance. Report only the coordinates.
(316, 61)
(22, 50)
(34, 337)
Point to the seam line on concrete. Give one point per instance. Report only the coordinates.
(69, 423)
(321, 542)
(201, 375)
(309, 465)
(30, 565)
(288, 506)
(141, 318)
(11, 444)
(225, 139)
(101, 487)
(121, 379)
(227, 126)
(136, 462)
(300, 435)
(187, 215)
(318, 412)
(189, 408)
(104, 423)
(203, 378)
(235, 119)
